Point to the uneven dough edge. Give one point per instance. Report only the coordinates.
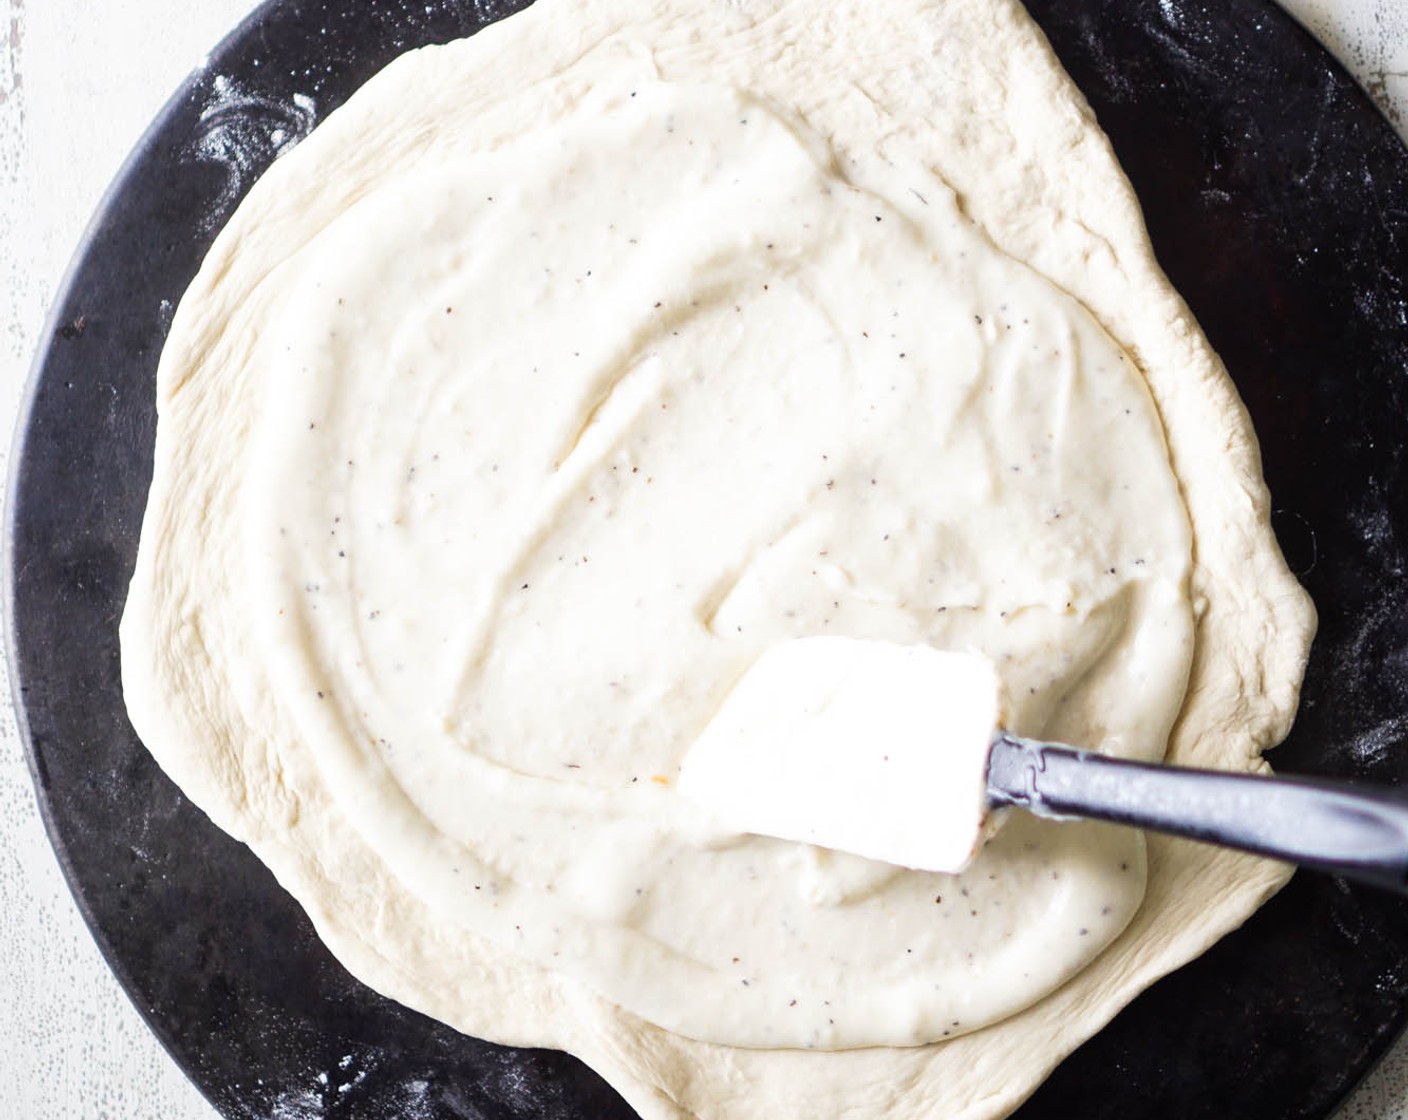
(1065, 207)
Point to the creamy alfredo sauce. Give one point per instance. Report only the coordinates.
(569, 433)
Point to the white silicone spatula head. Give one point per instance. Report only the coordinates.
(867, 747)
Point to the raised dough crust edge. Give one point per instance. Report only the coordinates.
(1020, 146)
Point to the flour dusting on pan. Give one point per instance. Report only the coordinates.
(244, 132)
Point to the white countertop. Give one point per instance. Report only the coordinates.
(78, 83)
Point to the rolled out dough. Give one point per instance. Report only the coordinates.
(224, 678)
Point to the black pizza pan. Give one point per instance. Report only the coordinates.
(1277, 199)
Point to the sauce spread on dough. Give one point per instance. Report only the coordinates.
(570, 432)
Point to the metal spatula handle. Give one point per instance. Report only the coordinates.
(1331, 826)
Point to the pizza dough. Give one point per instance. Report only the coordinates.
(566, 369)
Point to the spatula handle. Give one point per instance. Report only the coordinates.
(1331, 826)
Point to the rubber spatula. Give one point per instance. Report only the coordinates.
(898, 753)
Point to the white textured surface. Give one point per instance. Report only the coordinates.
(78, 83)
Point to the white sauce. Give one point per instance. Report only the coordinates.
(872, 748)
(569, 432)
